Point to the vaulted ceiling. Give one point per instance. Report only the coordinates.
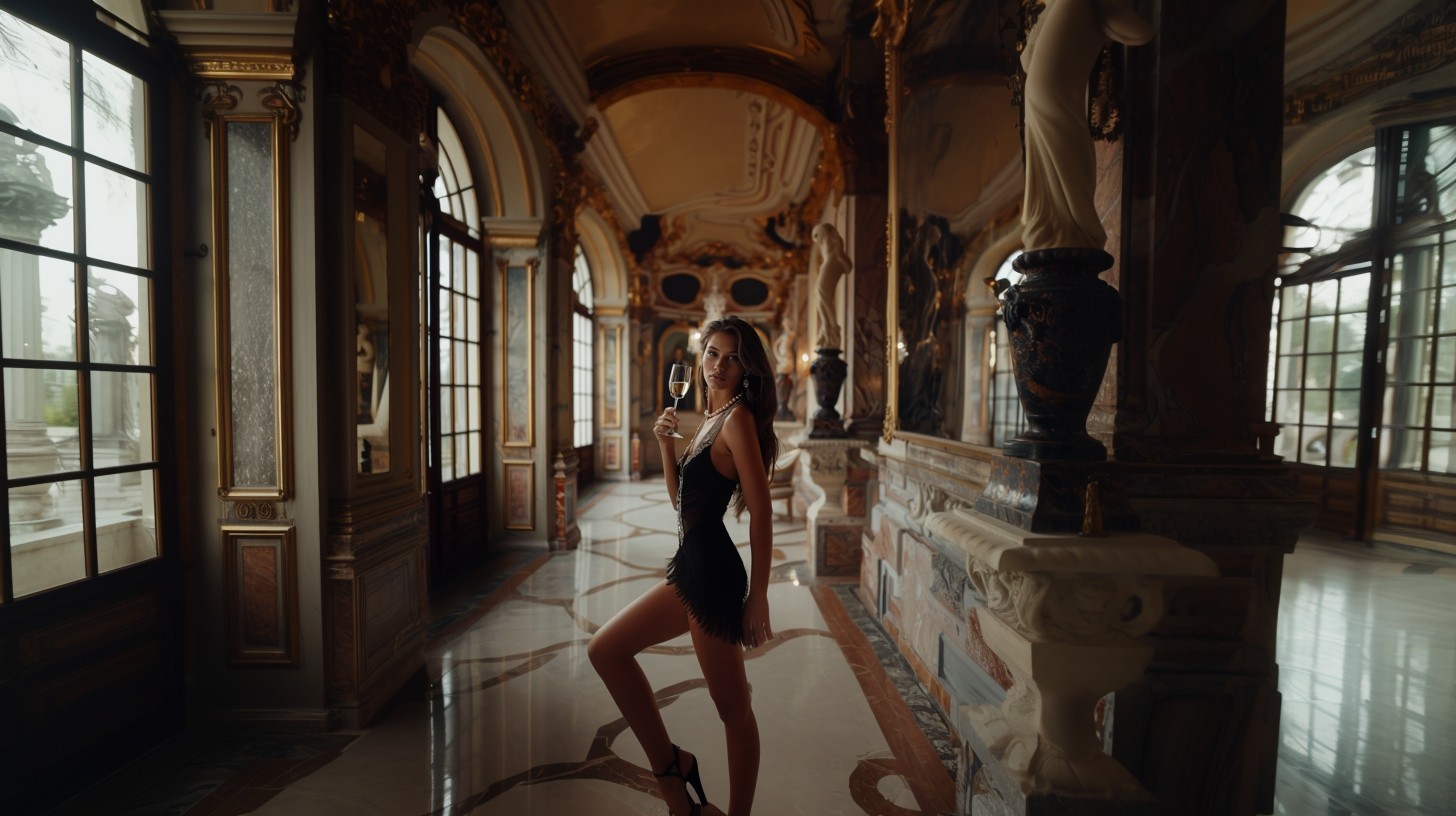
(710, 124)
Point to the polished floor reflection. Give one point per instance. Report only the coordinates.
(1367, 662)
(509, 718)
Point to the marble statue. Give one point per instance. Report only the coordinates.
(785, 343)
(835, 265)
(1057, 210)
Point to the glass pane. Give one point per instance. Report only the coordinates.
(457, 317)
(1347, 407)
(1447, 324)
(1441, 407)
(38, 295)
(1348, 369)
(473, 400)
(1441, 460)
(1286, 444)
(457, 268)
(1401, 448)
(472, 274)
(1316, 407)
(1321, 334)
(1291, 336)
(115, 121)
(121, 418)
(447, 459)
(1317, 371)
(442, 320)
(462, 408)
(1315, 449)
(472, 364)
(462, 454)
(1351, 332)
(447, 405)
(446, 369)
(1342, 446)
(1446, 359)
(443, 260)
(1295, 302)
(1324, 297)
(1291, 372)
(459, 359)
(120, 307)
(42, 423)
(472, 321)
(1355, 293)
(1407, 405)
(126, 519)
(474, 452)
(116, 228)
(1287, 407)
(41, 183)
(47, 536)
(1424, 174)
(35, 79)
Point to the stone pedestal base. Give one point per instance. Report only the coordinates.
(1064, 613)
(833, 481)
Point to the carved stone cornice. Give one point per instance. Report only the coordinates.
(1418, 43)
(264, 66)
(281, 100)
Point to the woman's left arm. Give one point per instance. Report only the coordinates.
(742, 438)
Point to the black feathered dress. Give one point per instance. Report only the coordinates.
(707, 571)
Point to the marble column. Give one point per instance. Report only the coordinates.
(1193, 218)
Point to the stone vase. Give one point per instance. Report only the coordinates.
(1062, 321)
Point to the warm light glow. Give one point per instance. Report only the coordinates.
(697, 336)
(804, 357)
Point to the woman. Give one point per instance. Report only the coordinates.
(707, 591)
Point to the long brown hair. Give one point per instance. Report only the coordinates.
(760, 396)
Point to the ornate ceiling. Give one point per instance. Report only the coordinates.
(711, 121)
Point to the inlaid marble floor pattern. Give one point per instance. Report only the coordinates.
(509, 719)
(517, 722)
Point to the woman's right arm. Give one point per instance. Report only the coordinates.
(666, 445)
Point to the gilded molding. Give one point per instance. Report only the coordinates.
(892, 19)
(238, 66)
(1419, 43)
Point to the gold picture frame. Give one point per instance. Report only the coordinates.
(518, 333)
(243, 470)
(611, 385)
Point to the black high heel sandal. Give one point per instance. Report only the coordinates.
(691, 778)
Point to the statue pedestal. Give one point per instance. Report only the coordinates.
(1065, 613)
(834, 483)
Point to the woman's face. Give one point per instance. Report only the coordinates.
(722, 369)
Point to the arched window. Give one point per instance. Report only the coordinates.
(1007, 417)
(458, 395)
(1364, 357)
(582, 331)
(1321, 316)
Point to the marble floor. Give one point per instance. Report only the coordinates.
(510, 719)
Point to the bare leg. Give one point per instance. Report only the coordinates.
(722, 664)
(655, 617)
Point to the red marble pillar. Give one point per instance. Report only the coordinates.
(1197, 234)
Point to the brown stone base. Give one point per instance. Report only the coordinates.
(1050, 497)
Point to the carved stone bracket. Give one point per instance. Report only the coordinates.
(1065, 613)
(281, 100)
(218, 98)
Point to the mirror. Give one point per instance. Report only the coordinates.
(371, 302)
(955, 189)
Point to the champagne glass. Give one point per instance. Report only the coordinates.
(678, 381)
